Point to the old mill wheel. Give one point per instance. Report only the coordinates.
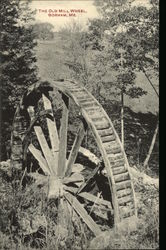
(42, 132)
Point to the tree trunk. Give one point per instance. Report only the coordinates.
(156, 130)
(152, 85)
(151, 146)
(122, 118)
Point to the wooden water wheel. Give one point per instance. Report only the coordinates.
(42, 129)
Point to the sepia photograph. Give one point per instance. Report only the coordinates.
(79, 124)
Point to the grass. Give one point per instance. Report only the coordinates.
(29, 221)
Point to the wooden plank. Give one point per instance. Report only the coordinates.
(124, 192)
(42, 141)
(95, 199)
(93, 173)
(45, 148)
(33, 121)
(83, 214)
(119, 170)
(63, 138)
(107, 164)
(121, 177)
(75, 149)
(92, 157)
(38, 156)
(101, 214)
(106, 132)
(123, 185)
(52, 133)
(108, 138)
(125, 199)
(70, 189)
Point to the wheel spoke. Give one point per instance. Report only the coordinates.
(33, 121)
(95, 199)
(75, 149)
(63, 138)
(83, 214)
(45, 148)
(94, 172)
(42, 141)
(38, 156)
(52, 132)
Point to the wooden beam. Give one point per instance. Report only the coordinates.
(33, 121)
(42, 141)
(38, 156)
(75, 149)
(45, 148)
(52, 129)
(93, 173)
(95, 199)
(63, 137)
(92, 157)
(78, 207)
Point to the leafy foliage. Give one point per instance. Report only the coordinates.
(18, 68)
(43, 31)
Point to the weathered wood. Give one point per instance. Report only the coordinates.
(92, 157)
(83, 214)
(82, 97)
(105, 132)
(107, 165)
(118, 156)
(121, 177)
(95, 199)
(75, 149)
(52, 133)
(45, 148)
(102, 124)
(89, 104)
(38, 156)
(123, 185)
(124, 192)
(101, 214)
(93, 173)
(116, 163)
(125, 199)
(63, 138)
(92, 112)
(110, 145)
(70, 189)
(119, 170)
(42, 141)
(75, 178)
(113, 150)
(108, 138)
(85, 100)
(33, 121)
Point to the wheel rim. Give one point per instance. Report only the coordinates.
(52, 158)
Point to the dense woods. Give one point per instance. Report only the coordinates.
(108, 57)
(18, 59)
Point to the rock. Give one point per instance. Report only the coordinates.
(5, 167)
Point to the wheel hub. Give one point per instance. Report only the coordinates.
(56, 187)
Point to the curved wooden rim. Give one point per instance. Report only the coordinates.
(108, 141)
